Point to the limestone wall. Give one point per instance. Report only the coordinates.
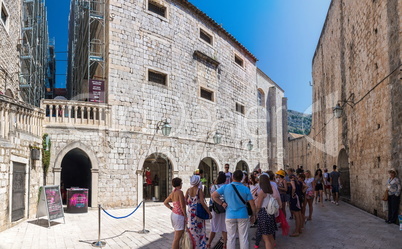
(359, 47)
(138, 41)
(9, 59)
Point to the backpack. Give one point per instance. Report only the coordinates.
(272, 207)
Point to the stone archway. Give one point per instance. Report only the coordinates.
(243, 166)
(57, 168)
(343, 165)
(158, 175)
(210, 169)
(76, 172)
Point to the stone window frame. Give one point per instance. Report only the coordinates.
(4, 8)
(240, 108)
(208, 90)
(260, 97)
(241, 58)
(158, 71)
(208, 33)
(160, 3)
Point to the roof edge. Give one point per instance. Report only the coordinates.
(269, 79)
(217, 26)
(324, 27)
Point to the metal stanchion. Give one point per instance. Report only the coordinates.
(99, 243)
(143, 231)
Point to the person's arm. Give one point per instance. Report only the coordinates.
(261, 196)
(202, 201)
(277, 196)
(253, 216)
(167, 200)
(293, 184)
(285, 186)
(183, 206)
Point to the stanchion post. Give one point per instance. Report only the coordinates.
(143, 231)
(99, 243)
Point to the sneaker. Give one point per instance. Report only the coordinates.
(255, 246)
(332, 202)
(337, 204)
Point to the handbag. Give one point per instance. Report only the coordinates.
(200, 212)
(249, 210)
(187, 240)
(218, 209)
(385, 196)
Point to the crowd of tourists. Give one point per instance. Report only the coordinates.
(262, 200)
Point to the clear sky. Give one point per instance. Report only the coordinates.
(282, 34)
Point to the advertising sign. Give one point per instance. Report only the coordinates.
(97, 91)
(77, 200)
(50, 203)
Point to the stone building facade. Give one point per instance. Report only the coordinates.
(357, 64)
(166, 60)
(20, 128)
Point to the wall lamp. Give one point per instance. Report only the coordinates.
(250, 144)
(338, 109)
(164, 126)
(217, 136)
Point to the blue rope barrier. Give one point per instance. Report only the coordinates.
(122, 217)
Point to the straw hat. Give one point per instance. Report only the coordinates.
(393, 170)
(281, 173)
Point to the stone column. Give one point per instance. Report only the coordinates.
(140, 184)
(94, 187)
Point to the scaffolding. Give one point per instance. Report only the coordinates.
(86, 46)
(33, 51)
(51, 71)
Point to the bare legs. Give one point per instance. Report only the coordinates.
(299, 221)
(310, 208)
(176, 240)
(268, 241)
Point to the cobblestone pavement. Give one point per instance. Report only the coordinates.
(342, 226)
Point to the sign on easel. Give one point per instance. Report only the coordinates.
(50, 203)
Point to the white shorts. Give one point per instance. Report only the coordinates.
(177, 222)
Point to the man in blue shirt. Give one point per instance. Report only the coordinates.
(236, 210)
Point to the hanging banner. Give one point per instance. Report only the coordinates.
(50, 203)
(97, 91)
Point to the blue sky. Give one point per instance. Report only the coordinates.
(282, 34)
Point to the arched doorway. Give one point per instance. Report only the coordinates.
(76, 171)
(243, 166)
(210, 169)
(157, 177)
(343, 164)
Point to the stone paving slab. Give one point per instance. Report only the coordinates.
(342, 226)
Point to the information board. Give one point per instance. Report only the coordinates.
(97, 91)
(50, 203)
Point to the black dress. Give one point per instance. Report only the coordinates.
(297, 199)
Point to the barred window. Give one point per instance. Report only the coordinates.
(205, 36)
(239, 60)
(157, 77)
(157, 9)
(206, 94)
(240, 108)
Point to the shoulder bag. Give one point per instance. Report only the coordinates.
(249, 210)
(219, 209)
(200, 212)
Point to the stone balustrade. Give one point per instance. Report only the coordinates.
(19, 116)
(75, 113)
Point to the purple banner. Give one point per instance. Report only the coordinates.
(97, 91)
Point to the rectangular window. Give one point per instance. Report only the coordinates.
(239, 60)
(205, 36)
(157, 9)
(206, 94)
(240, 108)
(157, 77)
(4, 14)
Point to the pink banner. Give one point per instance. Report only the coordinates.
(97, 91)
